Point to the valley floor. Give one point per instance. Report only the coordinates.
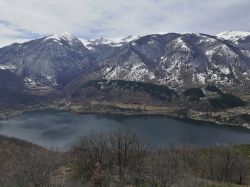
(238, 116)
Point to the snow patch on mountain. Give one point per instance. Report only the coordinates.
(51, 80)
(209, 53)
(87, 43)
(30, 82)
(221, 50)
(225, 70)
(233, 36)
(136, 72)
(201, 77)
(7, 67)
(113, 42)
(181, 44)
(63, 36)
(246, 75)
(171, 68)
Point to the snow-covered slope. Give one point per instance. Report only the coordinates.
(233, 36)
(113, 42)
(63, 36)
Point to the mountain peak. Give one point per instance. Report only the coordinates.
(233, 36)
(114, 42)
(62, 36)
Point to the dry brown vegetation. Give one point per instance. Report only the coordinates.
(121, 159)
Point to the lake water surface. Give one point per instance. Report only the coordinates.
(59, 129)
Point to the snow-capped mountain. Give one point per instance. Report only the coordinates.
(50, 61)
(234, 36)
(180, 61)
(177, 60)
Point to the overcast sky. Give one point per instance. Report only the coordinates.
(27, 19)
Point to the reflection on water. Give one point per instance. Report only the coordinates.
(58, 129)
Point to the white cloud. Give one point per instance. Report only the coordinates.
(112, 18)
(9, 35)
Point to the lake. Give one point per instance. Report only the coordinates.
(60, 129)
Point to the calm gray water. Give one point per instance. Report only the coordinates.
(59, 129)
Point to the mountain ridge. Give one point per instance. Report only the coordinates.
(173, 59)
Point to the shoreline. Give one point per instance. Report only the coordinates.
(15, 113)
